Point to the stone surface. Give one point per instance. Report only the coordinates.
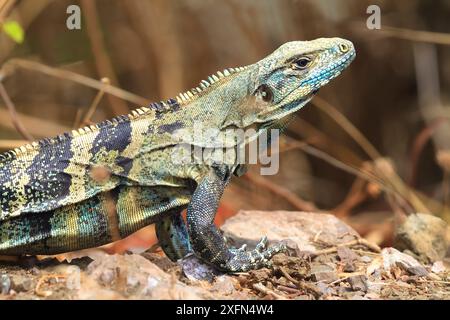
(438, 267)
(309, 231)
(5, 283)
(391, 258)
(425, 235)
(21, 283)
(334, 272)
(134, 276)
(195, 269)
(358, 283)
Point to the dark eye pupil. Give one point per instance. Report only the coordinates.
(302, 63)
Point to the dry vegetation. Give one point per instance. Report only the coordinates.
(372, 148)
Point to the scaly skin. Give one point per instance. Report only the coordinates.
(101, 183)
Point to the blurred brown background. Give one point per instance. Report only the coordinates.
(395, 92)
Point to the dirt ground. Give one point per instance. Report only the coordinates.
(326, 260)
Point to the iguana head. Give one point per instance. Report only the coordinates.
(259, 96)
(287, 79)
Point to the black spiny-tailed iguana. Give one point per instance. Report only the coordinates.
(101, 183)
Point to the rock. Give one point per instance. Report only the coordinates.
(325, 276)
(73, 280)
(307, 230)
(349, 267)
(5, 284)
(391, 260)
(438, 267)
(372, 296)
(135, 277)
(323, 272)
(35, 271)
(425, 235)
(195, 269)
(346, 254)
(297, 266)
(358, 283)
(161, 261)
(224, 285)
(359, 296)
(260, 275)
(325, 289)
(21, 283)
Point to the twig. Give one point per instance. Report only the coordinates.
(419, 144)
(346, 276)
(412, 35)
(13, 114)
(317, 235)
(90, 112)
(286, 194)
(346, 167)
(46, 293)
(433, 281)
(357, 194)
(301, 285)
(156, 23)
(11, 144)
(446, 188)
(261, 288)
(102, 60)
(14, 259)
(333, 113)
(37, 127)
(360, 241)
(75, 77)
(287, 289)
(365, 252)
(77, 120)
(324, 141)
(393, 179)
(5, 8)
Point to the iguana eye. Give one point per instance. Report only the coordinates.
(265, 93)
(301, 63)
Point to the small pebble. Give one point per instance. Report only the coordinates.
(35, 271)
(349, 267)
(438, 267)
(20, 283)
(5, 284)
(358, 283)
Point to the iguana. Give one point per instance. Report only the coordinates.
(101, 183)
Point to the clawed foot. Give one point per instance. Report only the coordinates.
(243, 260)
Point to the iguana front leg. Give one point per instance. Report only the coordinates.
(206, 240)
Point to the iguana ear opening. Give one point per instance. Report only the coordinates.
(264, 92)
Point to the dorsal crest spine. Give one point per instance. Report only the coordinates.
(162, 106)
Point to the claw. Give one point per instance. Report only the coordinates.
(242, 249)
(262, 244)
(243, 260)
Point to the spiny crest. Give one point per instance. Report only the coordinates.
(161, 106)
(185, 97)
(204, 84)
(74, 133)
